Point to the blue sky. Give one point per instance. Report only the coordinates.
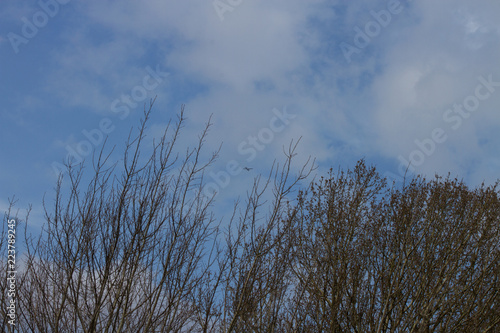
(396, 82)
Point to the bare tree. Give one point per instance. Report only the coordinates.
(258, 256)
(423, 258)
(124, 253)
(136, 247)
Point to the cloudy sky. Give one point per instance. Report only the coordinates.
(399, 83)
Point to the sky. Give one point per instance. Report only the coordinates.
(410, 86)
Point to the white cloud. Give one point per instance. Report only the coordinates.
(395, 92)
(437, 66)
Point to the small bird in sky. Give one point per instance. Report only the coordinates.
(247, 168)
